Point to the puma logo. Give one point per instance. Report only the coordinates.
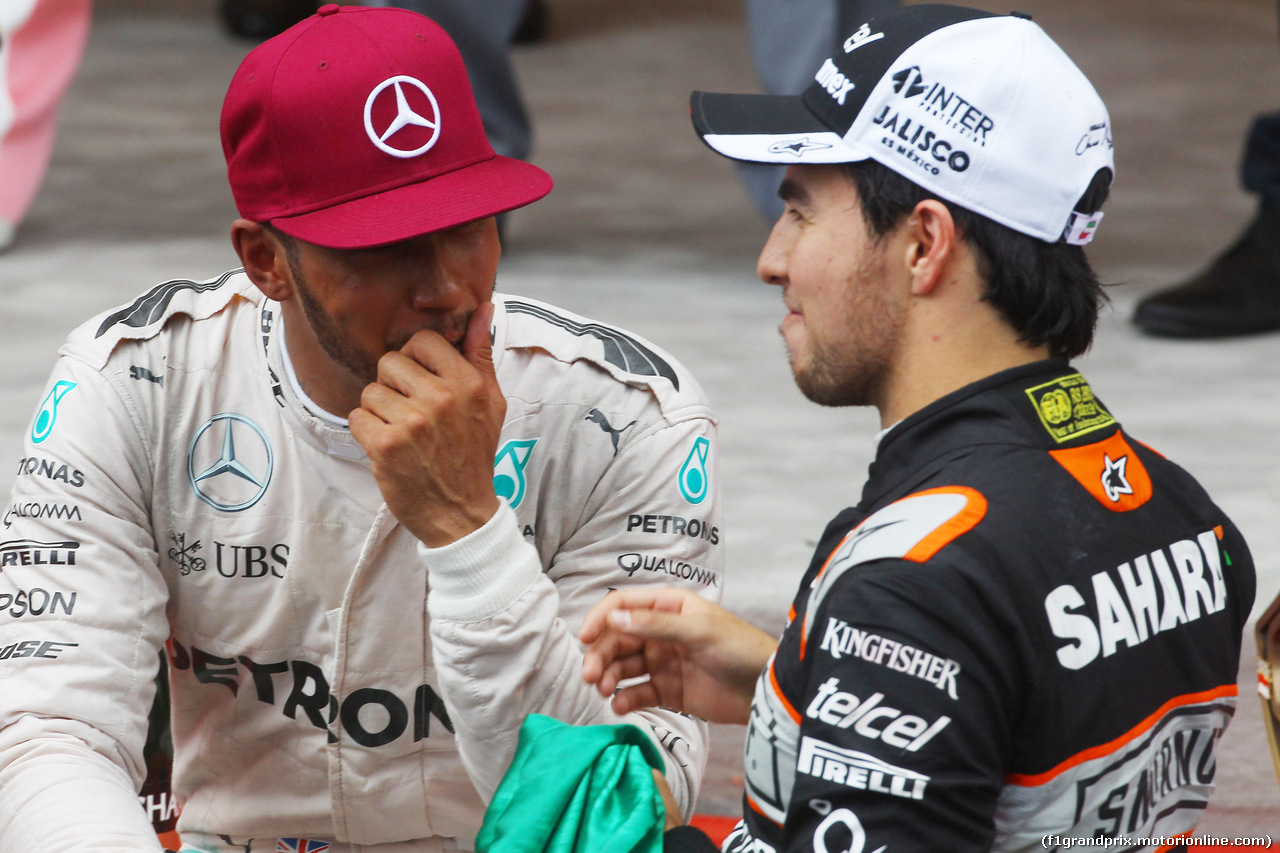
(597, 417)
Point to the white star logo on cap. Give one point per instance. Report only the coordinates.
(798, 147)
(405, 117)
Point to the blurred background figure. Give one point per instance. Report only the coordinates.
(41, 42)
(789, 40)
(262, 19)
(1239, 292)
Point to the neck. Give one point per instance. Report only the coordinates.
(948, 344)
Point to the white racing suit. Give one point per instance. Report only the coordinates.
(330, 680)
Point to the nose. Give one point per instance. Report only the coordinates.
(435, 290)
(771, 267)
(435, 283)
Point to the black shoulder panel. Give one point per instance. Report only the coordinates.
(150, 306)
(620, 350)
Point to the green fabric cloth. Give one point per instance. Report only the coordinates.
(577, 789)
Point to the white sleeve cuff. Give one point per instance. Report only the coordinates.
(481, 574)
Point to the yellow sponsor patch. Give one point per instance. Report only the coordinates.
(1068, 409)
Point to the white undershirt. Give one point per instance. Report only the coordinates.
(879, 436)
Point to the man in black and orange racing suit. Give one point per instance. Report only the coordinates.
(992, 643)
(1028, 631)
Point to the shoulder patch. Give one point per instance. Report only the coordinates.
(912, 528)
(1067, 408)
(619, 349)
(152, 305)
(1110, 471)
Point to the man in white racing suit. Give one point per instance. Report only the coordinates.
(361, 502)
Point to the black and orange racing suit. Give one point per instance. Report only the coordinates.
(1027, 632)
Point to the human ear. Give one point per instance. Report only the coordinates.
(931, 243)
(264, 259)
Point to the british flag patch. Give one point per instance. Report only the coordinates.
(300, 845)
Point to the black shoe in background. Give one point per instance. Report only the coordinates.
(1239, 294)
(262, 19)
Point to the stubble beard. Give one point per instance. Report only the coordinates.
(336, 344)
(831, 381)
(853, 370)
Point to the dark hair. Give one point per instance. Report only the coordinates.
(1047, 291)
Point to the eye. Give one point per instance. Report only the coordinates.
(362, 255)
(365, 258)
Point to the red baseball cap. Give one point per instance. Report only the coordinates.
(357, 128)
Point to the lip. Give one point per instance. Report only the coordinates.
(788, 304)
(453, 336)
(791, 324)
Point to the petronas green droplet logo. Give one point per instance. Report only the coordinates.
(48, 414)
(508, 470)
(695, 482)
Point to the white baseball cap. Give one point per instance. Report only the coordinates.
(984, 110)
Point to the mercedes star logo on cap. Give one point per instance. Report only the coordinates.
(406, 116)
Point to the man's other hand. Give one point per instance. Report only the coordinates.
(699, 658)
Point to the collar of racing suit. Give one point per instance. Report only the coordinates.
(994, 410)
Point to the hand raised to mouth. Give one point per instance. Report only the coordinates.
(430, 424)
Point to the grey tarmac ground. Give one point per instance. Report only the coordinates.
(649, 230)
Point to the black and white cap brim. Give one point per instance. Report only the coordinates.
(766, 129)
